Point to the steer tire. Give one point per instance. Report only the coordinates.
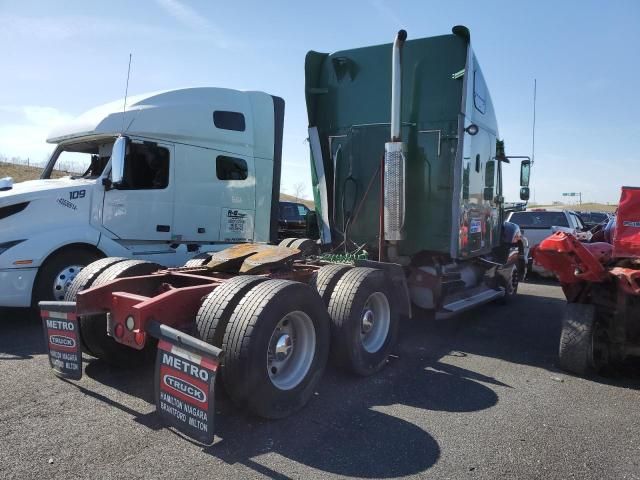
(287, 242)
(217, 307)
(359, 288)
(510, 286)
(576, 340)
(199, 260)
(326, 278)
(247, 340)
(48, 273)
(94, 327)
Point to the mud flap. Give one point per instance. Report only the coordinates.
(62, 337)
(185, 376)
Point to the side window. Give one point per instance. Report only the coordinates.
(146, 167)
(479, 92)
(231, 168)
(490, 174)
(229, 120)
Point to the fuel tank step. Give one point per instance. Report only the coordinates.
(459, 303)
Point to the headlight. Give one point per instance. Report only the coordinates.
(7, 245)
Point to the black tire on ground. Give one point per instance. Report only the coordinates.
(325, 279)
(358, 292)
(249, 338)
(305, 245)
(94, 327)
(84, 280)
(287, 242)
(57, 267)
(576, 340)
(198, 261)
(87, 276)
(216, 309)
(510, 286)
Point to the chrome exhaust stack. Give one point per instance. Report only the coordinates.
(394, 158)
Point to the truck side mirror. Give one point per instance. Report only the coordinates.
(524, 193)
(525, 173)
(118, 154)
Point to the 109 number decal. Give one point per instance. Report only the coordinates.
(76, 194)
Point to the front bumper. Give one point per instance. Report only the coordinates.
(16, 285)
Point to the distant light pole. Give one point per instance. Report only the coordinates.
(574, 194)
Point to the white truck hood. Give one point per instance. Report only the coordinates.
(35, 189)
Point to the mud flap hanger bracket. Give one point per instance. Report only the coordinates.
(183, 340)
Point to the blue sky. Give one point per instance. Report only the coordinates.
(59, 59)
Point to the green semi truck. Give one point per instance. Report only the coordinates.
(407, 177)
(426, 120)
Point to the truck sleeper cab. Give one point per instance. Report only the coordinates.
(189, 184)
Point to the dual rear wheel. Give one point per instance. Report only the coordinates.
(277, 335)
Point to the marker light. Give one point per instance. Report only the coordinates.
(118, 330)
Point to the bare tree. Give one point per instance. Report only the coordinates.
(299, 190)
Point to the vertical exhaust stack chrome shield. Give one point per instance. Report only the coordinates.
(394, 159)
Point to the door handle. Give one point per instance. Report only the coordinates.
(163, 228)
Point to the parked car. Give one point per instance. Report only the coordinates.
(537, 224)
(292, 220)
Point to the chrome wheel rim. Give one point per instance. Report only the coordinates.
(63, 279)
(291, 350)
(374, 322)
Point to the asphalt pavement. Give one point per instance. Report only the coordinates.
(477, 396)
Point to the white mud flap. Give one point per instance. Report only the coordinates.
(185, 377)
(62, 337)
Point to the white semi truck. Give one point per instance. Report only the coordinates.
(189, 184)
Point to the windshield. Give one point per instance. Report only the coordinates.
(79, 160)
(539, 219)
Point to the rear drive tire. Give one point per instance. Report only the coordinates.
(88, 275)
(94, 327)
(84, 280)
(216, 309)
(276, 347)
(325, 279)
(576, 340)
(306, 246)
(198, 261)
(287, 242)
(364, 321)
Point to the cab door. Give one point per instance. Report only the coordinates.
(141, 208)
(214, 197)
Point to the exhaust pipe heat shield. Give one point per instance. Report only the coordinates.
(394, 190)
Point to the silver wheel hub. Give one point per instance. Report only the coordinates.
(367, 321)
(63, 279)
(284, 347)
(291, 350)
(375, 322)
